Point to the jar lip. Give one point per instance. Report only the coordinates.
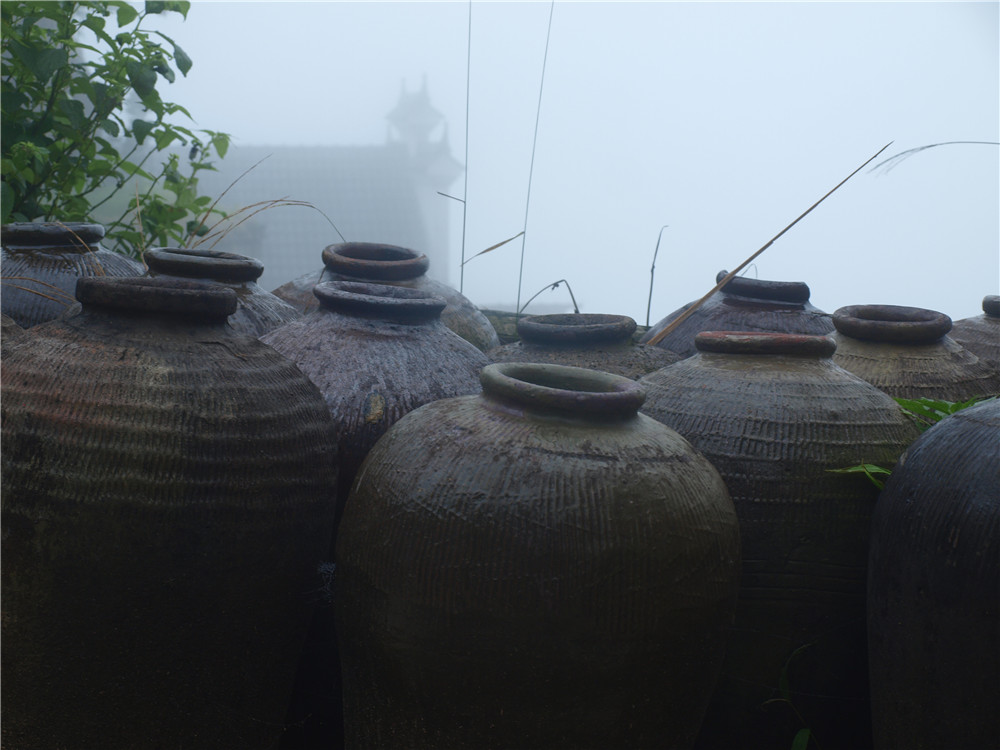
(575, 328)
(892, 323)
(203, 264)
(379, 300)
(991, 305)
(373, 260)
(157, 295)
(69, 234)
(561, 389)
(765, 343)
(796, 292)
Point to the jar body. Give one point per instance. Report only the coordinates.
(41, 263)
(159, 553)
(508, 577)
(980, 334)
(934, 579)
(774, 424)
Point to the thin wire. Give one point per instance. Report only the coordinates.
(534, 142)
(465, 190)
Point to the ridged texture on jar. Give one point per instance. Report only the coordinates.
(745, 305)
(886, 345)
(257, 311)
(980, 334)
(41, 262)
(397, 266)
(168, 492)
(775, 415)
(934, 589)
(594, 341)
(512, 576)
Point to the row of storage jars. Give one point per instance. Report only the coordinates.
(488, 606)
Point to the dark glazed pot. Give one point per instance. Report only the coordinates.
(539, 566)
(257, 311)
(745, 305)
(981, 334)
(774, 415)
(934, 590)
(598, 342)
(398, 266)
(906, 352)
(376, 353)
(167, 496)
(41, 262)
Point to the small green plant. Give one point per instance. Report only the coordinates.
(83, 123)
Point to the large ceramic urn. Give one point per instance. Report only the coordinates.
(40, 263)
(980, 334)
(168, 491)
(594, 341)
(745, 304)
(777, 417)
(934, 590)
(398, 266)
(537, 566)
(257, 311)
(907, 352)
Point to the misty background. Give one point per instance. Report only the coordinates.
(724, 121)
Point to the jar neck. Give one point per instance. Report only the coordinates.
(165, 298)
(369, 260)
(765, 343)
(575, 329)
(391, 303)
(559, 390)
(893, 324)
(202, 264)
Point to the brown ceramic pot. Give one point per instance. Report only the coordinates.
(934, 589)
(40, 263)
(906, 352)
(257, 311)
(167, 496)
(775, 415)
(539, 566)
(745, 305)
(980, 334)
(597, 342)
(398, 266)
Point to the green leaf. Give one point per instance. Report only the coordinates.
(165, 70)
(41, 62)
(126, 15)
(141, 128)
(141, 76)
(72, 110)
(6, 201)
(111, 128)
(182, 60)
(801, 741)
(94, 23)
(869, 470)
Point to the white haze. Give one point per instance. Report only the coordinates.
(723, 120)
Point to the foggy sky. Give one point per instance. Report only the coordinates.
(723, 120)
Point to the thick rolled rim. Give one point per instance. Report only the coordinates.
(575, 328)
(159, 295)
(70, 234)
(765, 343)
(796, 292)
(575, 391)
(372, 260)
(991, 305)
(379, 300)
(203, 264)
(892, 323)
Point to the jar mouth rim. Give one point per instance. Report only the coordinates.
(197, 263)
(991, 305)
(892, 323)
(374, 260)
(565, 390)
(379, 300)
(794, 292)
(170, 296)
(69, 234)
(572, 328)
(765, 343)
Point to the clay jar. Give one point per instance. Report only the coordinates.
(167, 495)
(41, 262)
(257, 311)
(933, 606)
(599, 342)
(981, 334)
(397, 266)
(538, 566)
(775, 415)
(906, 352)
(745, 305)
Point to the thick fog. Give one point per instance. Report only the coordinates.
(724, 121)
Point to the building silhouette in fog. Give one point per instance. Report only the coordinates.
(373, 193)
